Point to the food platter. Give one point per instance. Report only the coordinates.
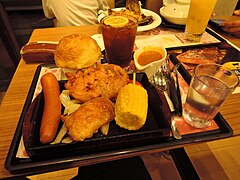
(157, 19)
(155, 130)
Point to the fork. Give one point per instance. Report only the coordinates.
(160, 81)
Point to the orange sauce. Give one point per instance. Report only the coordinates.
(149, 56)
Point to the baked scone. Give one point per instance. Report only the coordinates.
(76, 51)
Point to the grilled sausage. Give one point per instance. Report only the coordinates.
(52, 108)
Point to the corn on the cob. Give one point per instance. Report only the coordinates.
(131, 107)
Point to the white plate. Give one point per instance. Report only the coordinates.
(156, 22)
(175, 13)
(99, 39)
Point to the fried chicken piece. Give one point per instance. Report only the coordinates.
(103, 80)
(88, 118)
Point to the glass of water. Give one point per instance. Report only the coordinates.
(210, 86)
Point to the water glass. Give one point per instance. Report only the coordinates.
(210, 86)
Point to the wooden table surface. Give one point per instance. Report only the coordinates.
(213, 159)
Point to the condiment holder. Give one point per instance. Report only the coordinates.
(151, 67)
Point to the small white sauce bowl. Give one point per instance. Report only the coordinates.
(152, 67)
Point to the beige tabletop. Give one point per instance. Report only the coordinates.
(212, 158)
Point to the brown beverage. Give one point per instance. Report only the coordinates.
(119, 38)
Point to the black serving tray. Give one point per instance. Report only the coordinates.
(158, 138)
(155, 130)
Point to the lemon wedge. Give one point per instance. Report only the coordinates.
(116, 21)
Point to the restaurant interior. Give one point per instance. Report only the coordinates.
(26, 15)
(23, 16)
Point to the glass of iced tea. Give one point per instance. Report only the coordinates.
(119, 32)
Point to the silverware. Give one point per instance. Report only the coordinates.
(175, 70)
(173, 94)
(178, 103)
(161, 82)
(176, 133)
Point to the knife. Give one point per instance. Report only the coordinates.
(177, 100)
(178, 94)
(174, 96)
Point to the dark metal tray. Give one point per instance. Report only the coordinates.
(155, 130)
(158, 110)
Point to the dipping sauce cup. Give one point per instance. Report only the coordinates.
(149, 59)
(210, 86)
(119, 34)
(198, 17)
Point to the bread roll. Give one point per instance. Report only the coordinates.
(76, 51)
